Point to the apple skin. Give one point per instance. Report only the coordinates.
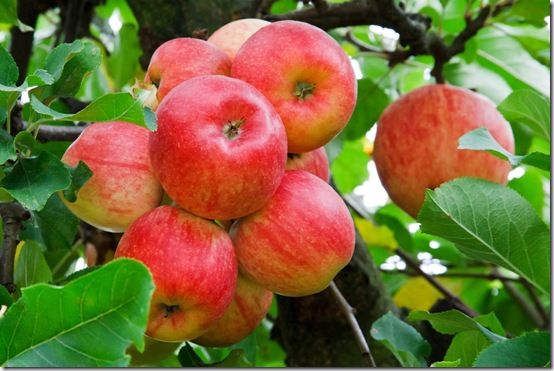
(123, 185)
(183, 58)
(284, 54)
(249, 306)
(232, 36)
(194, 268)
(417, 139)
(201, 165)
(299, 241)
(315, 162)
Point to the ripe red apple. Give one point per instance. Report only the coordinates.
(307, 77)
(417, 139)
(123, 185)
(220, 147)
(299, 241)
(194, 268)
(231, 36)
(314, 162)
(183, 58)
(248, 308)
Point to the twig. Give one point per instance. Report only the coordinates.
(12, 215)
(413, 264)
(536, 301)
(484, 276)
(348, 312)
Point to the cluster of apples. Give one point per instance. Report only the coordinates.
(238, 153)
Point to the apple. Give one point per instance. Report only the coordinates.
(231, 36)
(417, 139)
(314, 162)
(297, 243)
(307, 77)
(220, 148)
(154, 352)
(248, 308)
(180, 59)
(194, 268)
(123, 185)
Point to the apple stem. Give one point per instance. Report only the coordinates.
(349, 313)
(231, 129)
(304, 90)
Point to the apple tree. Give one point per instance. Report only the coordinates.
(451, 263)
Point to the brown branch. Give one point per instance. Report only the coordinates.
(536, 301)
(349, 314)
(12, 215)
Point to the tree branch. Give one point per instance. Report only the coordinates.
(484, 276)
(12, 215)
(349, 312)
(536, 301)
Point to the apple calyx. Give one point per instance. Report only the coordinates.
(146, 93)
(293, 156)
(303, 90)
(231, 129)
(169, 309)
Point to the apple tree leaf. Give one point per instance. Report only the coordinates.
(97, 317)
(31, 266)
(529, 350)
(530, 108)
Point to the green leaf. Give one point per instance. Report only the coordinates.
(349, 168)
(123, 61)
(529, 108)
(188, 357)
(407, 345)
(33, 180)
(535, 40)
(236, 358)
(150, 119)
(7, 150)
(109, 107)
(530, 187)
(481, 140)
(54, 226)
(8, 11)
(80, 174)
(8, 68)
(25, 142)
(529, 350)
(371, 102)
(63, 53)
(465, 347)
(446, 364)
(530, 11)
(452, 322)
(401, 233)
(5, 297)
(90, 322)
(490, 222)
(283, 6)
(31, 266)
(505, 56)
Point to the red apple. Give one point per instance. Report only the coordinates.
(183, 58)
(299, 241)
(123, 185)
(220, 147)
(248, 308)
(307, 77)
(314, 162)
(194, 268)
(231, 36)
(417, 139)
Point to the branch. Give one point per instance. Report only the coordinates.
(484, 276)
(538, 305)
(12, 215)
(349, 312)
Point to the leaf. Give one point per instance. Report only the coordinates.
(416, 294)
(407, 345)
(90, 322)
(465, 347)
(349, 168)
(123, 61)
(446, 364)
(7, 150)
(109, 107)
(529, 108)
(535, 40)
(80, 174)
(490, 222)
(54, 226)
(371, 102)
(530, 187)
(530, 11)
(63, 53)
(375, 235)
(5, 297)
(8, 12)
(481, 140)
(236, 358)
(529, 350)
(33, 180)
(401, 234)
(452, 322)
(31, 266)
(249, 345)
(188, 357)
(8, 68)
